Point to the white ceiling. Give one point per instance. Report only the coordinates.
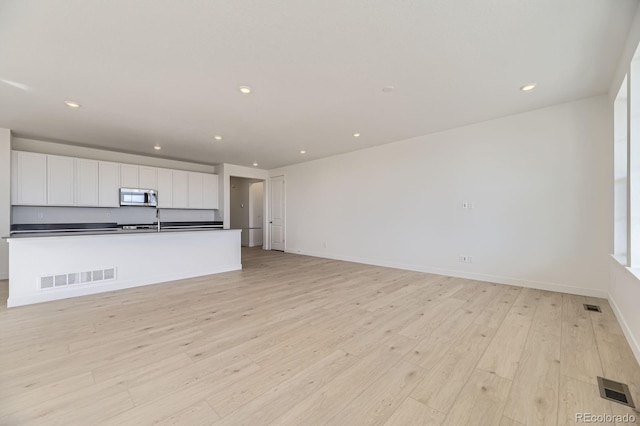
(167, 72)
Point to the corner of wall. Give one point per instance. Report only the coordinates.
(5, 199)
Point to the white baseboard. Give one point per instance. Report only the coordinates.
(539, 285)
(631, 339)
(66, 293)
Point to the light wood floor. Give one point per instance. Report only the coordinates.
(295, 340)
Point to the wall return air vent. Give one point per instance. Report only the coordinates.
(74, 278)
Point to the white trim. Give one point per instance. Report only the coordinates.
(540, 285)
(633, 343)
(65, 293)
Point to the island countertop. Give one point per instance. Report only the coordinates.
(116, 231)
(51, 267)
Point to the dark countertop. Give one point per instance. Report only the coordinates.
(111, 228)
(116, 231)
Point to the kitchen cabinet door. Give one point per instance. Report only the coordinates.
(180, 185)
(210, 192)
(165, 188)
(61, 180)
(129, 176)
(147, 177)
(109, 184)
(29, 178)
(196, 185)
(87, 187)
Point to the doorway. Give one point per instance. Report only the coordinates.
(246, 198)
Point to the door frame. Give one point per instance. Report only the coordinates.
(284, 211)
(225, 171)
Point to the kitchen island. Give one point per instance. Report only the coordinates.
(58, 266)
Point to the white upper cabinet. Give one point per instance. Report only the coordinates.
(129, 176)
(165, 188)
(147, 177)
(109, 181)
(41, 179)
(29, 178)
(196, 190)
(61, 182)
(203, 191)
(180, 186)
(210, 191)
(87, 186)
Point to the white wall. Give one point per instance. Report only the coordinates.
(540, 183)
(239, 200)
(256, 214)
(5, 199)
(624, 295)
(633, 38)
(624, 287)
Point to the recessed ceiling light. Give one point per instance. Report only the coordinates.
(356, 135)
(255, 164)
(72, 104)
(528, 87)
(157, 147)
(303, 152)
(218, 137)
(245, 90)
(387, 89)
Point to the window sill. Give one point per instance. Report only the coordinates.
(622, 260)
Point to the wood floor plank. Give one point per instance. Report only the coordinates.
(504, 353)
(533, 399)
(506, 421)
(579, 353)
(198, 414)
(414, 413)
(73, 407)
(377, 402)
(12, 402)
(322, 405)
(577, 399)
(270, 405)
(300, 340)
(481, 401)
(618, 364)
(442, 384)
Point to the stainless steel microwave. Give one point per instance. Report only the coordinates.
(138, 197)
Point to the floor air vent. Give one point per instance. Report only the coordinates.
(615, 391)
(592, 308)
(73, 278)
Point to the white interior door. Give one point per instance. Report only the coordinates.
(277, 213)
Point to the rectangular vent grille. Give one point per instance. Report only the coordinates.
(615, 391)
(73, 278)
(592, 308)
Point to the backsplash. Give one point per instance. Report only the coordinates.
(121, 215)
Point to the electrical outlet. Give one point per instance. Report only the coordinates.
(463, 259)
(469, 259)
(470, 204)
(465, 205)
